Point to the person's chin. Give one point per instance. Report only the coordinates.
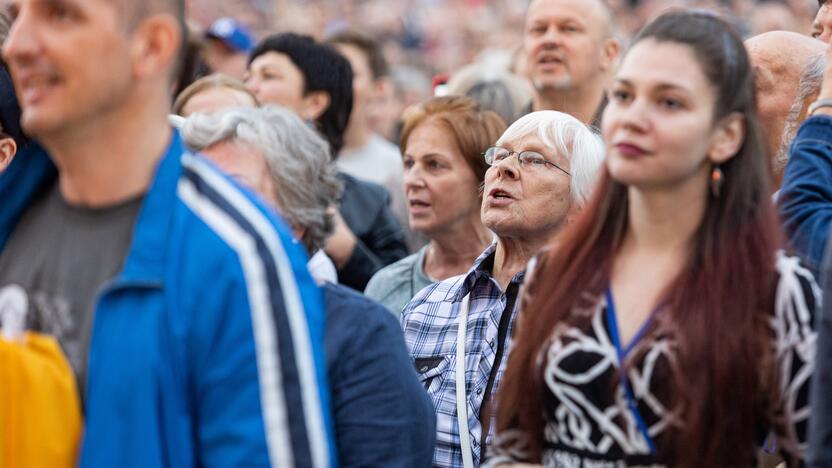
(38, 122)
(553, 83)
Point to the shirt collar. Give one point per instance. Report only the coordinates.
(481, 270)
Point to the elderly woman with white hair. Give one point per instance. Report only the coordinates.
(543, 170)
(381, 413)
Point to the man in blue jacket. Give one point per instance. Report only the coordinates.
(180, 301)
(806, 209)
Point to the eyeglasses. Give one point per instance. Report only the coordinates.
(495, 154)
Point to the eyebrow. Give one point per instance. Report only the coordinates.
(663, 86)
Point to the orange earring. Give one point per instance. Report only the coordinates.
(717, 179)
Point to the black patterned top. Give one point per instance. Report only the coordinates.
(592, 422)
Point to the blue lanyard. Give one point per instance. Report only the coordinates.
(622, 354)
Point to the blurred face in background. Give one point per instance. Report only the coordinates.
(822, 26)
(222, 59)
(442, 189)
(275, 79)
(564, 43)
(363, 83)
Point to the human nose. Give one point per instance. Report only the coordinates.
(508, 167)
(551, 38)
(21, 44)
(634, 116)
(252, 84)
(413, 178)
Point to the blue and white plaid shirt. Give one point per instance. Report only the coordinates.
(430, 324)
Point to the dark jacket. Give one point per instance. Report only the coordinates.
(805, 200)
(365, 207)
(820, 423)
(382, 414)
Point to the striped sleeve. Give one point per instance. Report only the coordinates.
(289, 381)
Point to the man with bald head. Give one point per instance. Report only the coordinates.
(788, 73)
(570, 51)
(182, 304)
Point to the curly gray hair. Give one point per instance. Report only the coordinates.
(297, 158)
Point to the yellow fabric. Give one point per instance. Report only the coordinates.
(40, 416)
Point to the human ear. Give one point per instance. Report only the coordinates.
(609, 53)
(728, 138)
(155, 45)
(315, 103)
(8, 148)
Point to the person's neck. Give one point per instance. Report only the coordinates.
(657, 225)
(111, 158)
(581, 102)
(453, 251)
(512, 256)
(357, 134)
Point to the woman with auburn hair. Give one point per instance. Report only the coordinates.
(442, 144)
(664, 327)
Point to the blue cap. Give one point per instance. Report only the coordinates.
(232, 33)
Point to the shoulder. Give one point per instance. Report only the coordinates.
(433, 296)
(356, 316)
(223, 225)
(392, 276)
(217, 203)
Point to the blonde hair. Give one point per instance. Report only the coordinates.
(215, 81)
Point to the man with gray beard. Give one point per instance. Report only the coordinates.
(788, 73)
(570, 51)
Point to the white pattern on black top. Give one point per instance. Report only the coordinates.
(587, 418)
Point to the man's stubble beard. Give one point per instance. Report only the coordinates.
(99, 105)
(561, 84)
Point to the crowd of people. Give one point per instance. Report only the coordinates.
(224, 250)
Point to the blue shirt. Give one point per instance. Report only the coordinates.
(430, 322)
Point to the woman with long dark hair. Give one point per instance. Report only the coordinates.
(664, 327)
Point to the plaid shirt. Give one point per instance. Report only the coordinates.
(430, 327)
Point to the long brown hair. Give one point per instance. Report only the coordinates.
(718, 306)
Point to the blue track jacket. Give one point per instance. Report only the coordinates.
(805, 200)
(207, 349)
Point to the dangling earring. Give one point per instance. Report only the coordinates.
(717, 178)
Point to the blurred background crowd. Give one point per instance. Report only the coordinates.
(426, 41)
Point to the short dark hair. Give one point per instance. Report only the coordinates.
(323, 69)
(368, 45)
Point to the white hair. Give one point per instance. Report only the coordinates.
(579, 143)
(297, 158)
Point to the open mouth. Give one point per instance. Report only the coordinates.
(418, 204)
(35, 87)
(549, 60)
(499, 194)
